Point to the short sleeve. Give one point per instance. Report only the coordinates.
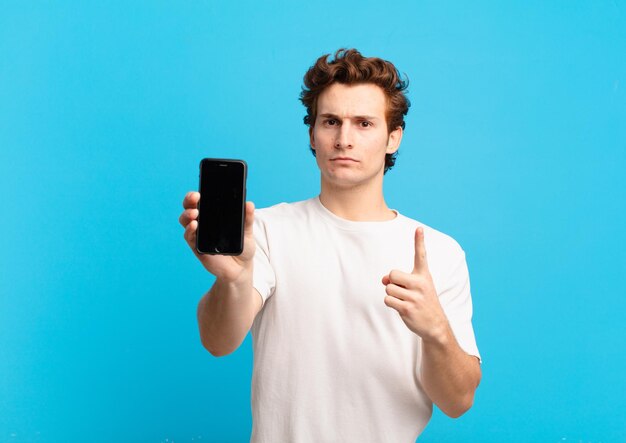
(456, 300)
(264, 278)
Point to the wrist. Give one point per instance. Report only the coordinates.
(243, 279)
(233, 274)
(440, 336)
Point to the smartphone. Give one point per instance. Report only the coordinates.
(222, 206)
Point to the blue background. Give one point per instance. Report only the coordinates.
(515, 145)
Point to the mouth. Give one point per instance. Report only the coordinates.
(343, 159)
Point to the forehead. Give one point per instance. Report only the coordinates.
(347, 100)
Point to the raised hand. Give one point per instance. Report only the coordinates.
(414, 296)
(226, 267)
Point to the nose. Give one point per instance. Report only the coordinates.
(344, 137)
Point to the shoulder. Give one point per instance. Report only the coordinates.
(439, 245)
(281, 223)
(283, 212)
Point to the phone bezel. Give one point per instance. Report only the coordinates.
(243, 208)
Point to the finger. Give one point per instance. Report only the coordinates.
(420, 265)
(398, 292)
(395, 303)
(386, 280)
(191, 200)
(190, 234)
(403, 279)
(249, 219)
(187, 216)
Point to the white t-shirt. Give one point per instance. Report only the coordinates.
(332, 362)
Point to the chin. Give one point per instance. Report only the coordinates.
(342, 180)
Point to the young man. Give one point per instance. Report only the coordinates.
(360, 316)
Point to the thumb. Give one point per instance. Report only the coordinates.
(249, 219)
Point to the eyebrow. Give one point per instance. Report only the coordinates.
(357, 117)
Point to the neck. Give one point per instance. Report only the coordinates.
(356, 203)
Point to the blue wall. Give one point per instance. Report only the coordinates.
(515, 145)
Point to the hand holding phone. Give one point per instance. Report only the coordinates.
(226, 267)
(221, 208)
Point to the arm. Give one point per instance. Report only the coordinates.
(450, 376)
(226, 312)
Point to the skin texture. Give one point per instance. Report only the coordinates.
(351, 124)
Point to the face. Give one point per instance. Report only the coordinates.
(350, 135)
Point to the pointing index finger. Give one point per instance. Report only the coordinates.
(420, 265)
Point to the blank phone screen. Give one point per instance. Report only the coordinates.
(220, 222)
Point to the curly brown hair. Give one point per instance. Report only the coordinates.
(349, 67)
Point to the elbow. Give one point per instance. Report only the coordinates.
(215, 351)
(219, 353)
(457, 411)
(217, 346)
(466, 400)
(461, 407)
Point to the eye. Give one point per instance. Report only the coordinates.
(365, 124)
(330, 122)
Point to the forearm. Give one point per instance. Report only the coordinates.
(449, 375)
(225, 315)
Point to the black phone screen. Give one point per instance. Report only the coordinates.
(221, 206)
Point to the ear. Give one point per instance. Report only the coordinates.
(394, 139)
(311, 139)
